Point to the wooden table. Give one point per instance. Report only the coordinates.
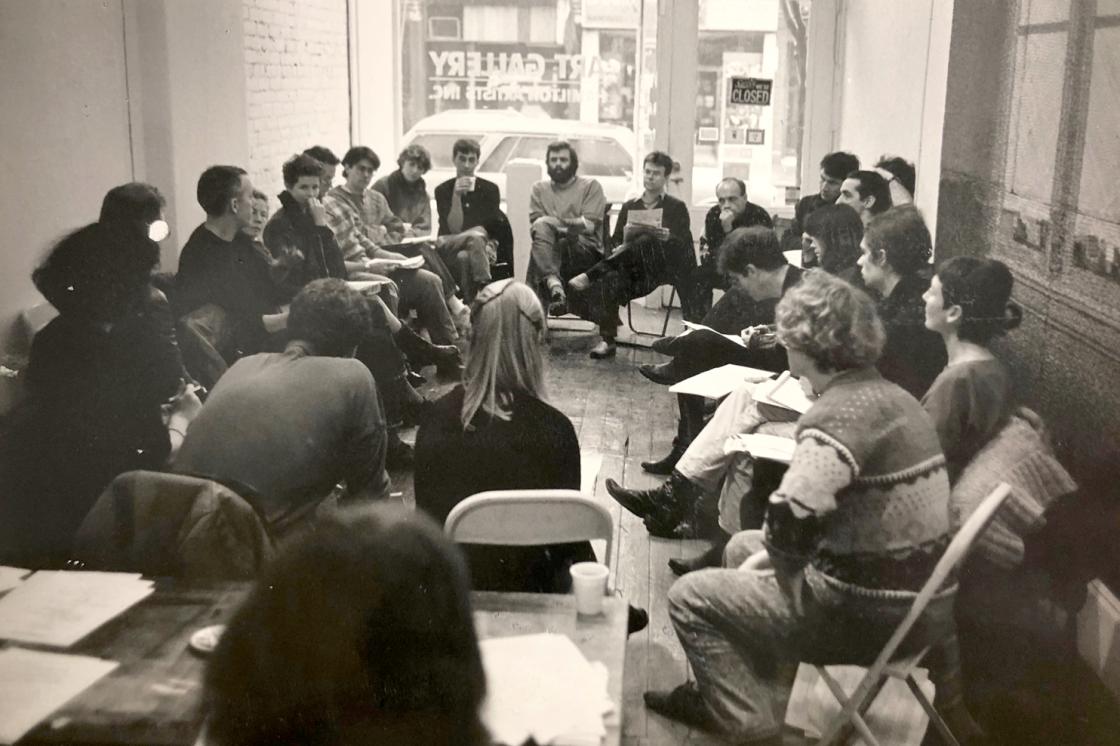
(153, 696)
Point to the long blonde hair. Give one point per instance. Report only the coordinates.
(505, 355)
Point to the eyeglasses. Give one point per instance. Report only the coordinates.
(495, 290)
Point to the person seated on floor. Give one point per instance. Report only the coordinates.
(835, 167)
(646, 255)
(901, 178)
(362, 223)
(105, 390)
(732, 210)
(406, 192)
(968, 303)
(225, 290)
(853, 531)
(753, 260)
(894, 264)
(566, 213)
(867, 193)
(472, 225)
(291, 425)
(360, 632)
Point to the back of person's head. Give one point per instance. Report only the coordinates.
(331, 316)
(360, 632)
(840, 230)
(323, 154)
(871, 184)
(839, 164)
(299, 166)
(557, 145)
(467, 146)
(982, 289)
(901, 169)
(757, 246)
(359, 153)
(901, 235)
(660, 159)
(416, 154)
(217, 188)
(831, 321)
(98, 273)
(507, 326)
(138, 206)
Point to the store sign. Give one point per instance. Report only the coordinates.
(750, 91)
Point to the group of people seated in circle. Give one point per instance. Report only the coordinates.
(292, 328)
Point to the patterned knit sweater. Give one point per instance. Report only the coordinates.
(866, 497)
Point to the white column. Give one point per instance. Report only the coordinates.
(521, 174)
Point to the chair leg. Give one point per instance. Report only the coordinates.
(669, 310)
(856, 717)
(934, 716)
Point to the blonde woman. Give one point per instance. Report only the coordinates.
(495, 431)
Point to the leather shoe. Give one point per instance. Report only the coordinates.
(415, 379)
(664, 467)
(603, 350)
(683, 704)
(638, 502)
(662, 373)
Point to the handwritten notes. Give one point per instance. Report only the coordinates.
(60, 608)
(33, 684)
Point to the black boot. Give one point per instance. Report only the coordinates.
(665, 466)
(663, 507)
(398, 454)
(711, 558)
(421, 352)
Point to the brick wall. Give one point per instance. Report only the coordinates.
(296, 69)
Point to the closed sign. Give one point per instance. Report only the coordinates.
(750, 91)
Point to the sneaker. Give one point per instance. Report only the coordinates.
(603, 350)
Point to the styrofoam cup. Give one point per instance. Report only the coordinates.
(589, 584)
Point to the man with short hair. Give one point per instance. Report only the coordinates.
(291, 425)
(867, 193)
(223, 289)
(362, 222)
(653, 237)
(328, 165)
(732, 210)
(406, 193)
(835, 167)
(565, 213)
(473, 230)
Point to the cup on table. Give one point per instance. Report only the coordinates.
(589, 584)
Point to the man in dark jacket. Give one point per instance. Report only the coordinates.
(835, 167)
(732, 210)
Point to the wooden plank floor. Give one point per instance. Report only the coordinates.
(625, 419)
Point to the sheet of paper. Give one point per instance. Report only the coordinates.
(785, 392)
(690, 327)
(10, 577)
(33, 684)
(760, 445)
(365, 285)
(719, 382)
(651, 218)
(414, 262)
(59, 608)
(415, 239)
(567, 705)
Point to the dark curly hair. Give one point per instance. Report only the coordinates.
(330, 315)
(556, 146)
(99, 272)
(299, 166)
(982, 289)
(359, 632)
(901, 234)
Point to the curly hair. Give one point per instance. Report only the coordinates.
(831, 321)
(418, 154)
(839, 228)
(901, 234)
(982, 289)
(330, 315)
(556, 146)
(359, 632)
(299, 166)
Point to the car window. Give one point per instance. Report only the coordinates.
(532, 147)
(496, 161)
(439, 146)
(602, 157)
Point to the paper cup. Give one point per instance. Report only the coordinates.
(470, 182)
(589, 584)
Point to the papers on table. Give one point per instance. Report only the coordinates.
(33, 684)
(10, 577)
(719, 382)
(59, 608)
(690, 327)
(541, 686)
(760, 445)
(648, 218)
(786, 392)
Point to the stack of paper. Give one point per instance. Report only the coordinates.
(690, 326)
(10, 577)
(60, 608)
(719, 382)
(34, 684)
(541, 686)
(761, 445)
(786, 392)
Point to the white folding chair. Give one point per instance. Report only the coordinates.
(529, 518)
(886, 665)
